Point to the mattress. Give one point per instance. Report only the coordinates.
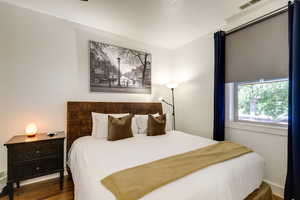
(91, 159)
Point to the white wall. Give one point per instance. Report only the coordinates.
(193, 66)
(44, 64)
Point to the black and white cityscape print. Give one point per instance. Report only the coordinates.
(119, 69)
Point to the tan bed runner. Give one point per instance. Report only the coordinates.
(136, 182)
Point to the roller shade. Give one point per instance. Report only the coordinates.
(259, 51)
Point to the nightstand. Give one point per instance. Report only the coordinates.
(34, 157)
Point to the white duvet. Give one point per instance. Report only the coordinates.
(91, 159)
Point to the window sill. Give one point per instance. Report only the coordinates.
(258, 128)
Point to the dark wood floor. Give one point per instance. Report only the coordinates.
(49, 190)
(46, 190)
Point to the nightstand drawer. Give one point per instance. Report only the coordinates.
(34, 157)
(30, 169)
(26, 152)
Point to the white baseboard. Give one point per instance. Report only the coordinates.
(2, 184)
(2, 175)
(34, 180)
(277, 189)
(2, 180)
(43, 178)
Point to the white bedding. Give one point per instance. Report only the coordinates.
(91, 159)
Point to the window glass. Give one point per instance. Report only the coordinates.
(263, 101)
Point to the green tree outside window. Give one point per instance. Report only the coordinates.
(266, 101)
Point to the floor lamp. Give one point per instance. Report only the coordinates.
(171, 86)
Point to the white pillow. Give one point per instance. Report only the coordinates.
(142, 122)
(169, 122)
(134, 127)
(100, 124)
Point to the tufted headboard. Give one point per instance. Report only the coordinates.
(79, 115)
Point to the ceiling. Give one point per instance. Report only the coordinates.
(164, 23)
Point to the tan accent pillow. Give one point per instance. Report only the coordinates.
(119, 128)
(156, 125)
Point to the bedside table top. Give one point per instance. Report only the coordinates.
(39, 137)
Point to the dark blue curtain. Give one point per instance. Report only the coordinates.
(292, 187)
(219, 89)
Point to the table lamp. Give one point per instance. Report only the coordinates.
(31, 130)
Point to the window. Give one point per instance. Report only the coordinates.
(263, 101)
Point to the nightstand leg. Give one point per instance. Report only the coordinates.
(10, 188)
(61, 180)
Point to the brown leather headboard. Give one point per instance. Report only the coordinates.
(79, 115)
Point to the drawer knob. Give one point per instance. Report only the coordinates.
(37, 168)
(38, 151)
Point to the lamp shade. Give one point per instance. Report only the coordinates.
(172, 85)
(31, 129)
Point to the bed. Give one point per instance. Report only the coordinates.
(91, 159)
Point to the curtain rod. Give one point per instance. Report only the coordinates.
(259, 19)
